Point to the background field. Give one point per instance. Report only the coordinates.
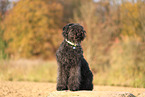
(30, 34)
(46, 71)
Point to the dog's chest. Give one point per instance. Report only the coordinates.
(69, 55)
(72, 53)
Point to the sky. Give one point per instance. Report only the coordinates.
(13, 0)
(119, 1)
(94, 0)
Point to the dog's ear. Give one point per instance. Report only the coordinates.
(65, 30)
(70, 24)
(67, 26)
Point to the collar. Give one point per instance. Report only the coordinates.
(71, 43)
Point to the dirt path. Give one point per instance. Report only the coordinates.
(33, 89)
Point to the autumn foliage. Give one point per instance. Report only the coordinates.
(32, 28)
(115, 43)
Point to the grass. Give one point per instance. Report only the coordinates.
(46, 71)
(26, 70)
(117, 78)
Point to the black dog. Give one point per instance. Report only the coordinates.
(73, 70)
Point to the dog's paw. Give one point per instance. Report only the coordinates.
(61, 88)
(73, 88)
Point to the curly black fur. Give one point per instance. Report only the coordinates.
(73, 70)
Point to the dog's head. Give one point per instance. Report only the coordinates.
(74, 32)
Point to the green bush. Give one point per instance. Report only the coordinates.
(3, 55)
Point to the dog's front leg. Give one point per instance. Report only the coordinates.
(74, 78)
(61, 79)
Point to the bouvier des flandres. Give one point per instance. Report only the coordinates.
(73, 70)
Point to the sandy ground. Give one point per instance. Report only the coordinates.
(35, 89)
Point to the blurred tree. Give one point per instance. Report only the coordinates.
(133, 19)
(32, 28)
(141, 31)
(102, 28)
(127, 55)
(2, 42)
(71, 7)
(3, 6)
